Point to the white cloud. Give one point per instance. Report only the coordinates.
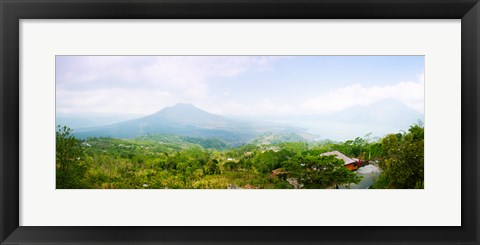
(410, 93)
(112, 101)
(135, 84)
(146, 84)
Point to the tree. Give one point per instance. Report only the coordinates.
(403, 163)
(353, 148)
(318, 172)
(231, 166)
(211, 167)
(69, 159)
(374, 151)
(266, 161)
(294, 147)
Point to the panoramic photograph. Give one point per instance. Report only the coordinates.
(239, 122)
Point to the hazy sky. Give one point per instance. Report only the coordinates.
(235, 85)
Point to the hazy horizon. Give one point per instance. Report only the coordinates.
(137, 115)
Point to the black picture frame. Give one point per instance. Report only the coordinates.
(12, 11)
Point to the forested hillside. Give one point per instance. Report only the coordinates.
(168, 161)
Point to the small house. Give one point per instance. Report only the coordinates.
(349, 163)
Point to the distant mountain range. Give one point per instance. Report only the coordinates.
(387, 111)
(186, 120)
(386, 116)
(380, 118)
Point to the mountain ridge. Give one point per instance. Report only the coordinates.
(381, 117)
(182, 119)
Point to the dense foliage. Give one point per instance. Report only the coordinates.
(403, 158)
(173, 161)
(71, 167)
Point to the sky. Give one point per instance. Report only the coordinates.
(235, 85)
